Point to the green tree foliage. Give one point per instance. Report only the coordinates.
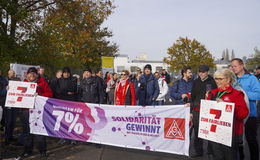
(55, 33)
(255, 60)
(186, 52)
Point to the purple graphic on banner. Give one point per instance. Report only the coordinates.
(71, 120)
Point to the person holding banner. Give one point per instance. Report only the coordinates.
(42, 90)
(10, 113)
(125, 90)
(226, 93)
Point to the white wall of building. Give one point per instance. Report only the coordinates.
(124, 63)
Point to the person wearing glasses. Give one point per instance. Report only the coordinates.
(125, 91)
(226, 93)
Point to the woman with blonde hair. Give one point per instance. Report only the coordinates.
(226, 93)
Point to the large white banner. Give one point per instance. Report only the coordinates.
(154, 128)
(21, 94)
(216, 121)
(21, 69)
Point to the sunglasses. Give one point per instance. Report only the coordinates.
(123, 74)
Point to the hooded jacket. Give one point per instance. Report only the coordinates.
(43, 88)
(241, 111)
(250, 84)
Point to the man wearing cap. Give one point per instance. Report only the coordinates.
(42, 90)
(148, 87)
(200, 87)
(90, 90)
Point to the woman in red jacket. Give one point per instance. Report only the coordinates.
(226, 93)
(42, 90)
(125, 91)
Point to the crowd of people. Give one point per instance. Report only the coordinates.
(234, 84)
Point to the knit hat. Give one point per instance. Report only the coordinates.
(32, 70)
(148, 66)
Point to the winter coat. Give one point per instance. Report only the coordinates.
(250, 84)
(91, 90)
(3, 91)
(180, 87)
(148, 90)
(43, 88)
(198, 91)
(53, 86)
(163, 88)
(125, 95)
(241, 111)
(66, 85)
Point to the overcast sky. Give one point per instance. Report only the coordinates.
(152, 26)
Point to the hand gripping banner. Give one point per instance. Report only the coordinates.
(154, 128)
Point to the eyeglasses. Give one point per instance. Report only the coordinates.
(219, 79)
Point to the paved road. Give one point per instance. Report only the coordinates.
(87, 151)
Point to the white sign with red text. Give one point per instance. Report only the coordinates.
(21, 94)
(216, 121)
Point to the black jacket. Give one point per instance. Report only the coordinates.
(65, 85)
(91, 90)
(198, 91)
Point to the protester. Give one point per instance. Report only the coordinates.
(181, 89)
(67, 86)
(125, 91)
(166, 76)
(3, 84)
(111, 88)
(148, 87)
(41, 72)
(42, 90)
(66, 89)
(10, 113)
(200, 87)
(90, 90)
(251, 86)
(163, 89)
(226, 93)
(98, 76)
(54, 83)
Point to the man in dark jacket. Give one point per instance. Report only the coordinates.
(90, 90)
(3, 84)
(67, 86)
(10, 113)
(98, 77)
(203, 84)
(181, 89)
(148, 87)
